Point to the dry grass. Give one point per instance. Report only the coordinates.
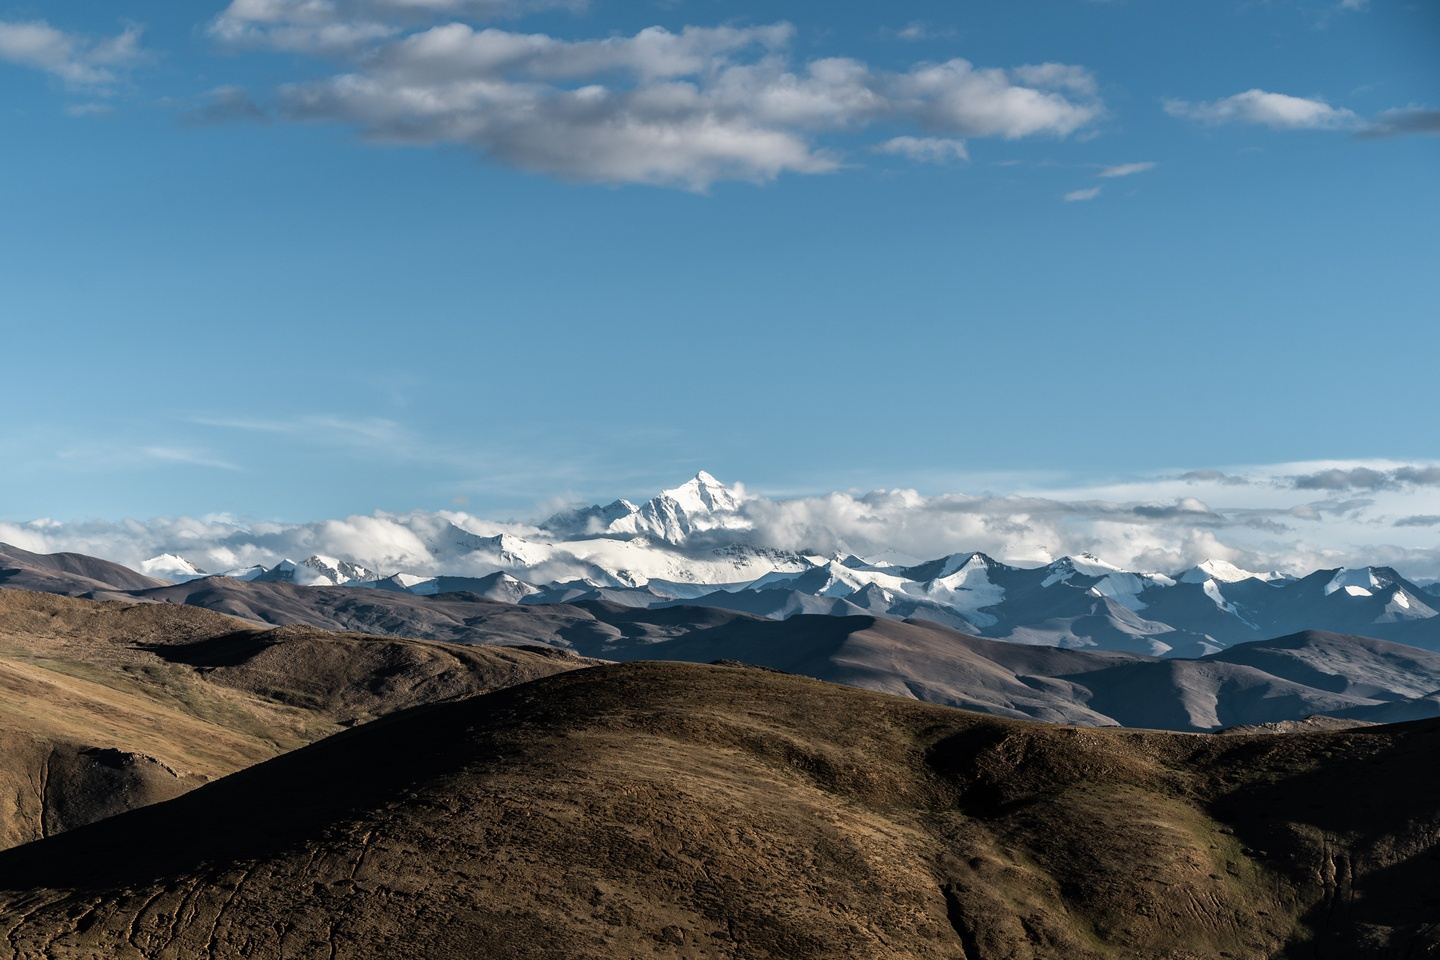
(200, 694)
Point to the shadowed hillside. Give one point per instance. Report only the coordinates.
(678, 810)
(67, 573)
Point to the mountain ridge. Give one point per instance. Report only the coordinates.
(1252, 683)
(696, 543)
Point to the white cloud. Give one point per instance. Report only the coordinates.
(110, 455)
(1127, 169)
(459, 52)
(685, 108)
(80, 61)
(918, 30)
(957, 97)
(926, 149)
(339, 26)
(1058, 76)
(1276, 110)
(1080, 196)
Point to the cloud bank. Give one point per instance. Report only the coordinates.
(1290, 517)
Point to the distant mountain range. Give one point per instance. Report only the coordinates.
(1280, 680)
(692, 545)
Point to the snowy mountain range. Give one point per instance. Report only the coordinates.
(688, 545)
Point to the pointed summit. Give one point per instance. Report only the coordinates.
(704, 494)
(1084, 564)
(169, 566)
(1221, 571)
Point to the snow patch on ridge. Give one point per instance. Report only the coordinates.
(966, 587)
(1222, 571)
(1355, 581)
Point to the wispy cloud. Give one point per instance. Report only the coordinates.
(1081, 196)
(1127, 169)
(1403, 121)
(228, 104)
(1275, 110)
(918, 30)
(926, 149)
(370, 432)
(340, 26)
(188, 457)
(80, 61)
(1214, 476)
(105, 455)
(1368, 478)
(89, 109)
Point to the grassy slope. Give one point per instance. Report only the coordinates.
(179, 696)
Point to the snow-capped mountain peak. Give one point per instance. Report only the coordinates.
(1109, 581)
(1084, 564)
(317, 571)
(1222, 571)
(957, 562)
(967, 587)
(402, 581)
(1090, 565)
(829, 578)
(704, 494)
(169, 566)
(701, 503)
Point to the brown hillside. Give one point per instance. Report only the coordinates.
(669, 810)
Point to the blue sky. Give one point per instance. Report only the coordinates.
(800, 247)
